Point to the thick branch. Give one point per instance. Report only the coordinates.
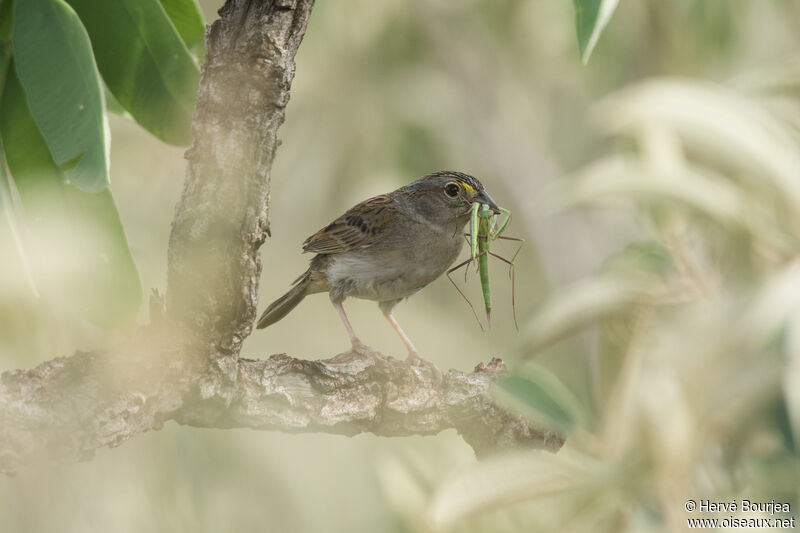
(66, 408)
(221, 219)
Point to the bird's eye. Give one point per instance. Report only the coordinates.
(451, 190)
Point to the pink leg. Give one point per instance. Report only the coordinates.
(358, 346)
(412, 352)
(413, 357)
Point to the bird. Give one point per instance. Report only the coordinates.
(386, 249)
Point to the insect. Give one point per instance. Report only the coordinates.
(484, 228)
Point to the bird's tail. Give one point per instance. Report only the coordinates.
(281, 307)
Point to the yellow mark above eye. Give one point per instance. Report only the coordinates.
(467, 187)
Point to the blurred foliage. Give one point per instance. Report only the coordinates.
(658, 296)
(591, 17)
(55, 136)
(693, 391)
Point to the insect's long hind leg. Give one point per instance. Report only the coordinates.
(462, 265)
(516, 253)
(467, 236)
(511, 275)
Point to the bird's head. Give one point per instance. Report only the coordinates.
(449, 194)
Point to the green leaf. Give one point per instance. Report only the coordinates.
(6, 205)
(144, 62)
(113, 105)
(540, 396)
(55, 66)
(188, 20)
(591, 17)
(6, 17)
(75, 238)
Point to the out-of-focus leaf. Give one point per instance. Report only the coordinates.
(144, 62)
(775, 85)
(538, 395)
(591, 18)
(791, 376)
(777, 302)
(6, 18)
(6, 205)
(780, 76)
(402, 487)
(580, 305)
(645, 258)
(113, 105)
(5, 63)
(715, 122)
(617, 178)
(80, 232)
(775, 313)
(504, 481)
(55, 66)
(188, 20)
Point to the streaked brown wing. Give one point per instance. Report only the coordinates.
(354, 230)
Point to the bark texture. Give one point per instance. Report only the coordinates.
(221, 220)
(66, 408)
(185, 366)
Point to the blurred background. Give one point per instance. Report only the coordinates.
(658, 190)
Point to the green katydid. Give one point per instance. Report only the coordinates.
(484, 228)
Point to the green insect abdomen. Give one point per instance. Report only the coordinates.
(483, 262)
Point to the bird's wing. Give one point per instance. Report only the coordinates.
(358, 228)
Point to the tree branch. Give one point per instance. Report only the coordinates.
(221, 220)
(185, 366)
(66, 408)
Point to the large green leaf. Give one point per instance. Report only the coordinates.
(54, 64)
(5, 19)
(6, 201)
(188, 20)
(591, 17)
(75, 238)
(144, 62)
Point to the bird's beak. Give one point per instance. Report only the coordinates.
(484, 198)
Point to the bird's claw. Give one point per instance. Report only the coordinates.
(358, 348)
(362, 349)
(416, 359)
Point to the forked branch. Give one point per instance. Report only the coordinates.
(186, 367)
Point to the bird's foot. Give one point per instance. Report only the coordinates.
(417, 360)
(362, 349)
(359, 350)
